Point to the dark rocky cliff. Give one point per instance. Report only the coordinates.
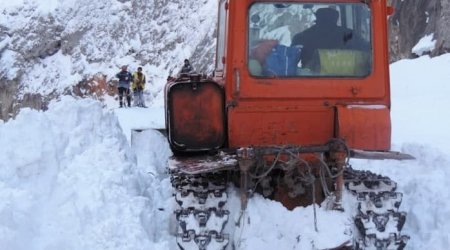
(412, 20)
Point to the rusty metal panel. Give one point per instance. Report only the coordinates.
(196, 116)
(280, 125)
(365, 127)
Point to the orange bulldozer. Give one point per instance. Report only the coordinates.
(299, 88)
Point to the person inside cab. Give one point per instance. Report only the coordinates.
(325, 37)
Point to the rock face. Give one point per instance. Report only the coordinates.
(8, 91)
(414, 19)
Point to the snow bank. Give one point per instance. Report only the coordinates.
(420, 127)
(69, 180)
(420, 101)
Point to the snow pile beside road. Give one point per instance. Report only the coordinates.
(69, 180)
(420, 127)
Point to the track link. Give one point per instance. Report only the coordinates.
(378, 220)
(201, 215)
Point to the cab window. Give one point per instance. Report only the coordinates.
(309, 40)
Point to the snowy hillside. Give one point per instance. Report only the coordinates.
(71, 180)
(48, 46)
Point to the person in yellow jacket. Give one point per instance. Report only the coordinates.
(138, 85)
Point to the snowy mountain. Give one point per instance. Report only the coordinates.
(48, 47)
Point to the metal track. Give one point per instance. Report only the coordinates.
(201, 215)
(378, 220)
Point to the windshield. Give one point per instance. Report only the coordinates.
(309, 40)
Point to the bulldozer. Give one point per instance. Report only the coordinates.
(299, 88)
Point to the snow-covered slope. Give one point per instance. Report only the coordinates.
(48, 46)
(421, 125)
(69, 178)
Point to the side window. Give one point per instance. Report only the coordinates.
(221, 37)
(309, 40)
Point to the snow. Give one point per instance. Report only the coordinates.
(425, 44)
(419, 101)
(77, 177)
(268, 225)
(70, 180)
(420, 128)
(97, 37)
(44, 6)
(140, 118)
(7, 65)
(82, 175)
(57, 66)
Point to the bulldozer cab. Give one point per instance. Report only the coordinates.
(303, 72)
